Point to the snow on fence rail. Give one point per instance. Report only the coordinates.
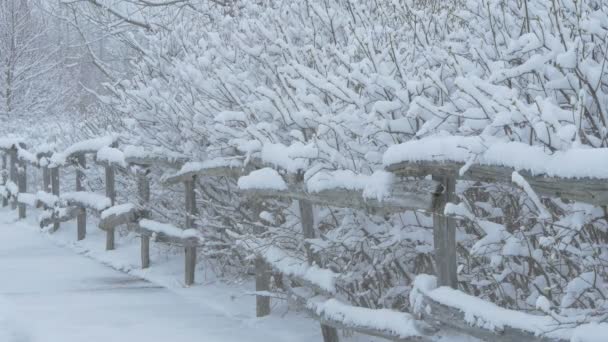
(437, 303)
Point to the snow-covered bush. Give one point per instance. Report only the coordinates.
(309, 87)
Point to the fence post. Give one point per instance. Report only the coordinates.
(55, 188)
(81, 219)
(46, 179)
(330, 334)
(13, 174)
(111, 194)
(190, 251)
(22, 186)
(444, 234)
(262, 270)
(3, 177)
(143, 191)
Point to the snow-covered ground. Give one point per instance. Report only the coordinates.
(54, 288)
(50, 293)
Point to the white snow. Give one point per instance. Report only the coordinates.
(489, 316)
(266, 178)
(209, 164)
(58, 291)
(88, 199)
(399, 323)
(323, 278)
(290, 158)
(117, 210)
(48, 199)
(10, 142)
(571, 163)
(85, 146)
(111, 155)
(168, 229)
(28, 199)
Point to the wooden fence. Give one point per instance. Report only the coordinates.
(409, 192)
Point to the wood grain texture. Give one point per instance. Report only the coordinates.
(589, 190)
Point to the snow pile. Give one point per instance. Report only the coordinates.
(266, 178)
(117, 210)
(291, 158)
(396, 323)
(87, 199)
(28, 199)
(486, 315)
(48, 199)
(323, 278)
(111, 155)
(376, 185)
(571, 163)
(6, 143)
(85, 146)
(168, 229)
(134, 153)
(194, 167)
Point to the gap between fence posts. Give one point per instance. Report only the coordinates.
(444, 234)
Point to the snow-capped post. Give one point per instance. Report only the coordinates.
(22, 185)
(55, 189)
(330, 334)
(143, 192)
(444, 234)
(81, 219)
(190, 197)
(13, 172)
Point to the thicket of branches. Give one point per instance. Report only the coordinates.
(332, 84)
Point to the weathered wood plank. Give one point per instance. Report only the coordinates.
(111, 194)
(161, 237)
(55, 190)
(4, 177)
(143, 193)
(67, 214)
(593, 191)
(81, 219)
(190, 251)
(262, 269)
(444, 235)
(22, 186)
(406, 195)
(115, 220)
(160, 161)
(13, 172)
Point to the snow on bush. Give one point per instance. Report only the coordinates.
(329, 92)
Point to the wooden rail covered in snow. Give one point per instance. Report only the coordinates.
(408, 191)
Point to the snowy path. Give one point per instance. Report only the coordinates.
(51, 294)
